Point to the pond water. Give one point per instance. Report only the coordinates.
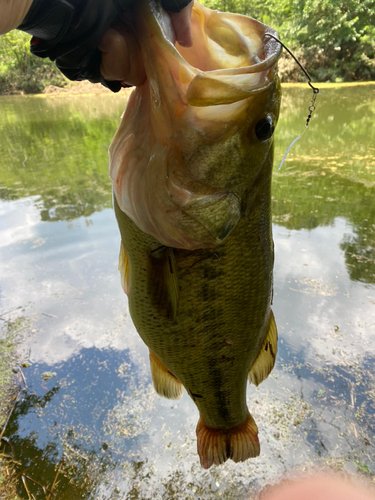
(89, 424)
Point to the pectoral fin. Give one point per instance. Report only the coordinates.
(165, 384)
(163, 284)
(265, 361)
(123, 267)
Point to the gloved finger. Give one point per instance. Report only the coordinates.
(181, 22)
(121, 57)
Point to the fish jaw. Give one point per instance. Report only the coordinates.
(191, 95)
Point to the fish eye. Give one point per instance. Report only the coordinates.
(264, 128)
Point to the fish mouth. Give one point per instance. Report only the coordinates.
(229, 43)
(231, 57)
(272, 46)
(264, 58)
(231, 85)
(239, 60)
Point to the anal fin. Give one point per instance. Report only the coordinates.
(265, 361)
(216, 446)
(165, 384)
(123, 267)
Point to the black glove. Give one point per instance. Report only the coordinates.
(174, 5)
(69, 31)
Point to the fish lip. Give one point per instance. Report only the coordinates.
(272, 48)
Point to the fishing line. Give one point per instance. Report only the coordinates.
(315, 90)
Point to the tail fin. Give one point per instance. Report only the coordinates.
(165, 383)
(215, 446)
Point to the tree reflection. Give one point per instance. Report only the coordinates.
(56, 149)
(330, 173)
(80, 428)
(359, 254)
(41, 470)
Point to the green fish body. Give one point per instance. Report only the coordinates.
(191, 168)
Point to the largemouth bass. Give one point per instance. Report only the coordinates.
(191, 170)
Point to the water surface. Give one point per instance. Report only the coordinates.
(89, 418)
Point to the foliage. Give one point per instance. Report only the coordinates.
(20, 70)
(335, 39)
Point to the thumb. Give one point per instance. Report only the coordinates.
(121, 57)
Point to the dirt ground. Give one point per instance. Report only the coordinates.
(77, 88)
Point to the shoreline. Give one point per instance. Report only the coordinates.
(87, 88)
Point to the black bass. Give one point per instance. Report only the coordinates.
(191, 170)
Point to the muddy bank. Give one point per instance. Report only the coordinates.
(13, 330)
(74, 88)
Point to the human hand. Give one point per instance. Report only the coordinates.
(121, 55)
(12, 14)
(88, 49)
(318, 487)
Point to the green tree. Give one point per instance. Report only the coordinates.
(335, 39)
(258, 9)
(20, 70)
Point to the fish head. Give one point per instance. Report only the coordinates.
(198, 134)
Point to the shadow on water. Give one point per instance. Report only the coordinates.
(334, 394)
(89, 419)
(61, 422)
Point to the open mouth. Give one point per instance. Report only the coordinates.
(229, 43)
(232, 57)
